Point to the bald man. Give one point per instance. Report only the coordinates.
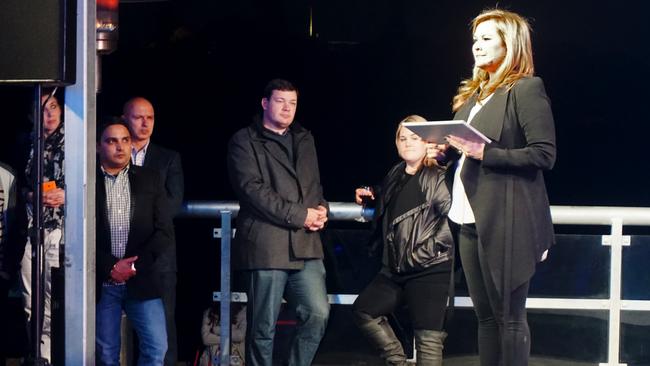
(138, 112)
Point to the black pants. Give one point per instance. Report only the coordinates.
(168, 281)
(425, 296)
(503, 339)
(4, 311)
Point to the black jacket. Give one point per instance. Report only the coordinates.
(168, 164)
(274, 195)
(151, 232)
(506, 189)
(419, 238)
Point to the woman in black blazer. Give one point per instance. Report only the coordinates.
(499, 199)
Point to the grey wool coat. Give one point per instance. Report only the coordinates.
(274, 195)
(506, 189)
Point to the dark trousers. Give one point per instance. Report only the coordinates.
(4, 311)
(425, 297)
(305, 293)
(168, 282)
(503, 339)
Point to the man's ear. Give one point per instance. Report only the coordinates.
(265, 103)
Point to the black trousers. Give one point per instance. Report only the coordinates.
(4, 311)
(168, 281)
(503, 339)
(425, 296)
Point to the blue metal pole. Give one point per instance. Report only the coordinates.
(226, 234)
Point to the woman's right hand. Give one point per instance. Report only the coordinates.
(362, 192)
(436, 151)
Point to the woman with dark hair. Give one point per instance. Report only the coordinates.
(411, 215)
(53, 199)
(499, 199)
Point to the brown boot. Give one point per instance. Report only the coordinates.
(380, 334)
(429, 345)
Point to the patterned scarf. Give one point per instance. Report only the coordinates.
(52, 171)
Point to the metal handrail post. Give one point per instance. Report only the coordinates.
(226, 220)
(616, 241)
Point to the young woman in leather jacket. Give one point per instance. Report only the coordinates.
(411, 212)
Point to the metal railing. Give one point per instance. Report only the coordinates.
(614, 217)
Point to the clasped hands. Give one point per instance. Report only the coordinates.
(54, 198)
(316, 218)
(470, 149)
(124, 269)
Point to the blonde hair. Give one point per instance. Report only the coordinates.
(428, 162)
(514, 32)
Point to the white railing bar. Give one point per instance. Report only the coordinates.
(635, 305)
(600, 215)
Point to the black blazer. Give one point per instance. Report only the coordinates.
(506, 189)
(151, 232)
(168, 164)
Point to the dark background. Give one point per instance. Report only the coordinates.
(365, 66)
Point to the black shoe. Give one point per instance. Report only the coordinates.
(30, 361)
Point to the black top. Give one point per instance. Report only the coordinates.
(284, 140)
(408, 194)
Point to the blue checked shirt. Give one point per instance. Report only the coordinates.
(137, 157)
(118, 203)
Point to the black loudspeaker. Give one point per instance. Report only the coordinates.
(37, 41)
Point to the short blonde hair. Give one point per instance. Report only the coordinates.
(514, 31)
(428, 162)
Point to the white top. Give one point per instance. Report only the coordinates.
(7, 183)
(461, 211)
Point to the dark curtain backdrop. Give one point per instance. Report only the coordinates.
(366, 65)
(361, 67)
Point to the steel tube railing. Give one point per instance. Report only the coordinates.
(344, 211)
(615, 217)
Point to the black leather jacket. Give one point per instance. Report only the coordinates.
(420, 237)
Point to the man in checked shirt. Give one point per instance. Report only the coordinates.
(133, 229)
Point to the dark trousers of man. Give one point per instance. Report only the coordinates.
(4, 311)
(305, 293)
(168, 283)
(503, 339)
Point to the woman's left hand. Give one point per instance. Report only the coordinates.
(471, 149)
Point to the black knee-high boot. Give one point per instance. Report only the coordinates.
(380, 334)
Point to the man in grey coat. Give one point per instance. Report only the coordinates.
(273, 169)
